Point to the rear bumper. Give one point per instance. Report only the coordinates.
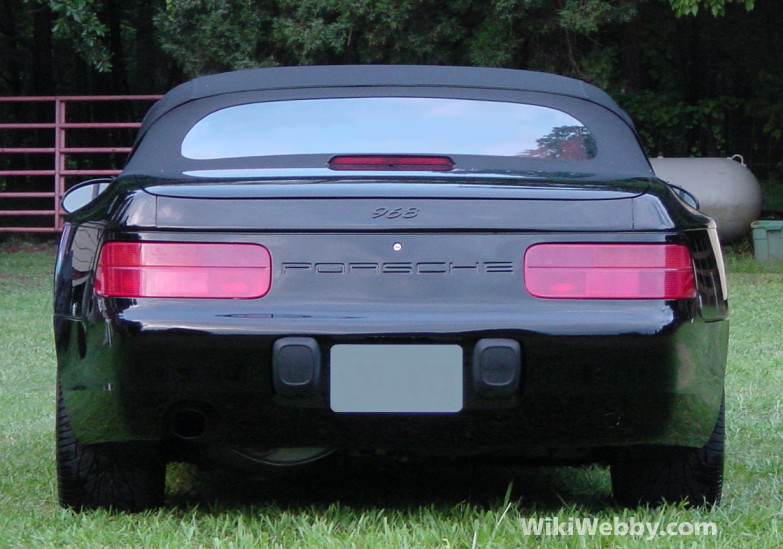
(650, 375)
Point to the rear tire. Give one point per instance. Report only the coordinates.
(127, 476)
(653, 475)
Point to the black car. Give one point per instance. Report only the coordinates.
(416, 262)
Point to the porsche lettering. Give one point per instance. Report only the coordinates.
(400, 267)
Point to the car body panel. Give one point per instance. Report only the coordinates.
(411, 258)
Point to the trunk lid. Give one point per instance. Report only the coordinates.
(394, 206)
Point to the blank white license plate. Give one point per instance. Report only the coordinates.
(396, 378)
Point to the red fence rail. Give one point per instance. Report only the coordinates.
(60, 153)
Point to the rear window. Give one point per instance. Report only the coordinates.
(389, 125)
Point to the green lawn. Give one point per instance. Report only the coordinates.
(381, 506)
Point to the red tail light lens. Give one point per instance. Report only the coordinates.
(392, 163)
(609, 271)
(183, 269)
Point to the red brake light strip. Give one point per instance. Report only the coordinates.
(183, 270)
(391, 163)
(609, 271)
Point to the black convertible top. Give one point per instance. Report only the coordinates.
(278, 78)
(158, 153)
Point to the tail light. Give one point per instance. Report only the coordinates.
(183, 269)
(609, 271)
(392, 163)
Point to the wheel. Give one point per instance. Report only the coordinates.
(121, 476)
(654, 475)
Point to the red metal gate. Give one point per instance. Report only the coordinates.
(60, 152)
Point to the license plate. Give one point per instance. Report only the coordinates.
(396, 378)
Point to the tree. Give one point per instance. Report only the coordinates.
(203, 38)
(717, 7)
(52, 47)
(77, 22)
(207, 36)
(566, 142)
(698, 76)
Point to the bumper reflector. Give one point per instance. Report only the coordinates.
(609, 271)
(183, 270)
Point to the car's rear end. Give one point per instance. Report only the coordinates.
(264, 302)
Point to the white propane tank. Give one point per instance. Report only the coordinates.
(726, 189)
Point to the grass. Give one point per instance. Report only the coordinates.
(381, 505)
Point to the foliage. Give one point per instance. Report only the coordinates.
(511, 33)
(767, 105)
(207, 36)
(588, 16)
(700, 77)
(236, 33)
(407, 31)
(77, 22)
(567, 142)
(716, 7)
(672, 126)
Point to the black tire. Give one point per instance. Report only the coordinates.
(654, 475)
(120, 476)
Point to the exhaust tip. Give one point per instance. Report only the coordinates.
(189, 424)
